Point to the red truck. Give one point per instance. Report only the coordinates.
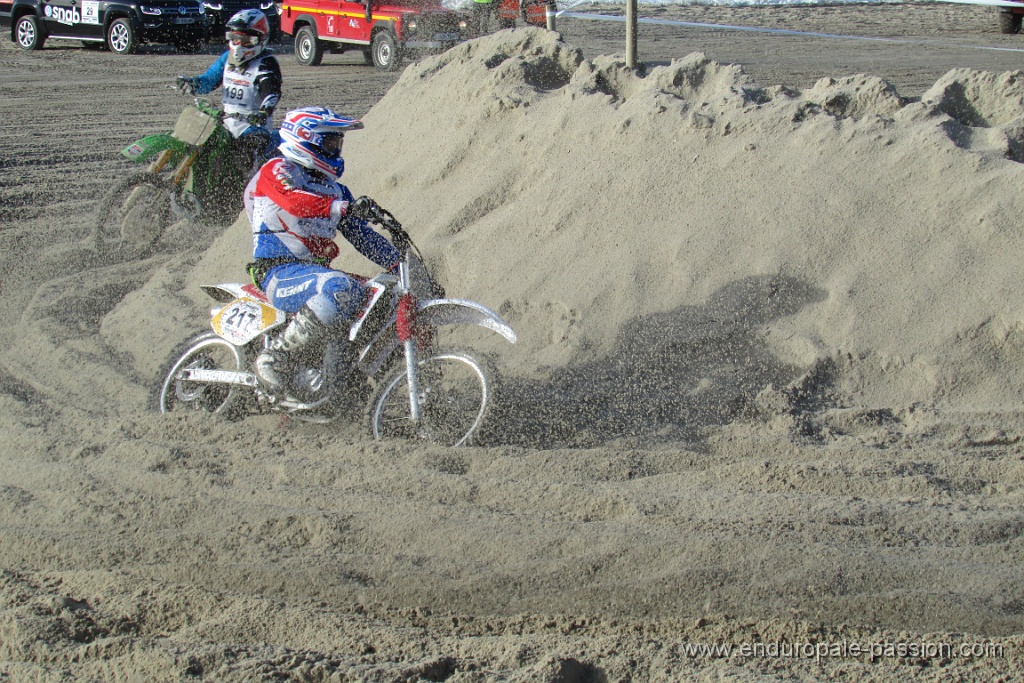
(386, 31)
(533, 12)
(1010, 18)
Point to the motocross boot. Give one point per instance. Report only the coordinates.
(274, 363)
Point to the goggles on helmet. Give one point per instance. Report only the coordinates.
(237, 38)
(331, 144)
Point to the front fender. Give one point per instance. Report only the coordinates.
(387, 25)
(150, 146)
(433, 313)
(440, 312)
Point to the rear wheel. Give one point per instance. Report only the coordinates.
(27, 33)
(453, 395)
(385, 52)
(205, 351)
(309, 51)
(132, 216)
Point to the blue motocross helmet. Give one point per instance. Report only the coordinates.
(312, 137)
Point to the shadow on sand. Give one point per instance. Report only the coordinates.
(671, 374)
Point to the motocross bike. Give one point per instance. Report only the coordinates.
(388, 361)
(194, 172)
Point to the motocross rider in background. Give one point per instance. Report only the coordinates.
(251, 81)
(296, 206)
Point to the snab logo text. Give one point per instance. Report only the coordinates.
(63, 15)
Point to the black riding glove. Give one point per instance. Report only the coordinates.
(186, 85)
(364, 208)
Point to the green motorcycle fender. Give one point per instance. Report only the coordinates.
(150, 146)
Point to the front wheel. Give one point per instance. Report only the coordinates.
(385, 52)
(454, 395)
(309, 51)
(132, 215)
(205, 351)
(121, 38)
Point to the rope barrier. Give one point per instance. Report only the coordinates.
(808, 34)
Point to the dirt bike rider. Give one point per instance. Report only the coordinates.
(296, 205)
(251, 80)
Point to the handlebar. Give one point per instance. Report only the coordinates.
(400, 238)
(386, 220)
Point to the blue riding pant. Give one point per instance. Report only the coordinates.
(332, 295)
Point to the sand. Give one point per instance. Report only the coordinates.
(767, 394)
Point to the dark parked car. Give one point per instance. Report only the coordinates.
(121, 25)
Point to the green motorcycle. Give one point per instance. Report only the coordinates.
(195, 172)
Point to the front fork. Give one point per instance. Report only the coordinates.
(406, 328)
(180, 171)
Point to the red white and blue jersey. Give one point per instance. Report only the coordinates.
(295, 214)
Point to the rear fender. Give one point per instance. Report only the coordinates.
(385, 25)
(433, 313)
(229, 291)
(149, 147)
(22, 10)
(305, 20)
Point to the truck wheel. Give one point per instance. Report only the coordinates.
(309, 51)
(121, 37)
(386, 56)
(1009, 22)
(26, 32)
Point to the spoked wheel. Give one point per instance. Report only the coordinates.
(205, 351)
(133, 215)
(186, 206)
(453, 395)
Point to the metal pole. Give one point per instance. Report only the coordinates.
(631, 59)
(550, 14)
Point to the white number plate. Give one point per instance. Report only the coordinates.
(184, 20)
(243, 319)
(446, 36)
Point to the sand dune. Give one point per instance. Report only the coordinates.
(767, 390)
